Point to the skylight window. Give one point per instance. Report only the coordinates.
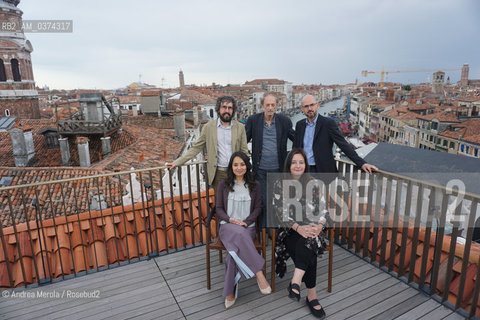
(6, 181)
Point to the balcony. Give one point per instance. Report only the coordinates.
(96, 117)
(77, 125)
(127, 246)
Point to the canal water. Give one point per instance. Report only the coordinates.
(323, 110)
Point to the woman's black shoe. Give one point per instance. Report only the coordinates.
(316, 313)
(291, 294)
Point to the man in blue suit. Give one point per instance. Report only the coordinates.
(316, 135)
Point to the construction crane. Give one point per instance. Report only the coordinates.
(383, 72)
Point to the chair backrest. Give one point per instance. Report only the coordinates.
(211, 214)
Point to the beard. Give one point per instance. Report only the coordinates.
(225, 117)
(311, 115)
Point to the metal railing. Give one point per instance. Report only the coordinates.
(65, 228)
(402, 228)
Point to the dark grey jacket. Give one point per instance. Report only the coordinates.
(254, 130)
(326, 133)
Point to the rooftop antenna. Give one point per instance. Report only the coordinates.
(163, 80)
(140, 78)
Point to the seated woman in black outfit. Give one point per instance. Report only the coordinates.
(302, 239)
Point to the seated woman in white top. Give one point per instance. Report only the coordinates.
(238, 205)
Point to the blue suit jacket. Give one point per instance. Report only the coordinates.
(326, 133)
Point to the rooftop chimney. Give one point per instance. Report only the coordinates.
(22, 145)
(65, 151)
(106, 148)
(83, 151)
(195, 116)
(179, 124)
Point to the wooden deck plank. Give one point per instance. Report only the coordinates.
(363, 301)
(173, 286)
(419, 311)
(206, 301)
(340, 282)
(197, 279)
(333, 305)
(135, 301)
(108, 289)
(403, 307)
(70, 307)
(145, 306)
(251, 293)
(438, 313)
(159, 314)
(203, 294)
(218, 285)
(453, 316)
(90, 281)
(268, 310)
(394, 300)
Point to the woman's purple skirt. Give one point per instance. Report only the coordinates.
(242, 260)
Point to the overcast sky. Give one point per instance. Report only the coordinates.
(226, 41)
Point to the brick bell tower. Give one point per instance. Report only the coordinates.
(18, 97)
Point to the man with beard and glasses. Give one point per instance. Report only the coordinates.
(316, 135)
(221, 137)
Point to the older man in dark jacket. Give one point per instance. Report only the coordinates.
(269, 132)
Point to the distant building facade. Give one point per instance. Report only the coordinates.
(464, 78)
(181, 79)
(438, 82)
(18, 96)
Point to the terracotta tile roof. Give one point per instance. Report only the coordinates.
(52, 157)
(419, 107)
(156, 146)
(150, 147)
(204, 90)
(196, 96)
(23, 176)
(401, 113)
(381, 103)
(453, 134)
(407, 116)
(90, 240)
(441, 116)
(150, 93)
(150, 121)
(174, 104)
(129, 99)
(261, 81)
(469, 99)
(468, 130)
(473, 139)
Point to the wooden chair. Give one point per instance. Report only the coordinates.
(259, 242)
(330, 259)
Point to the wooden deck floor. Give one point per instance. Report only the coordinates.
(174, 287)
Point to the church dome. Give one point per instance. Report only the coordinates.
(12, 2)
